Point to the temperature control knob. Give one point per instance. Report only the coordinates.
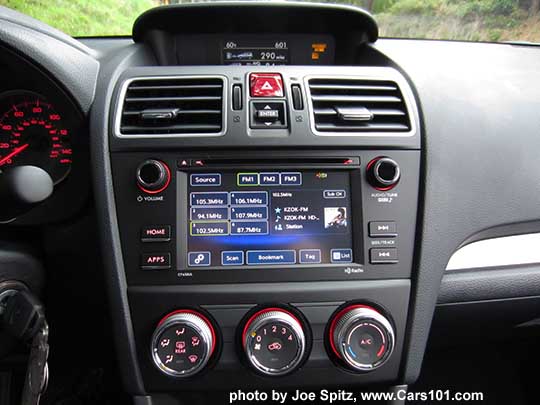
(274, 342)
(383, 173)
(183, 343)
(153, 176)
(361, 338)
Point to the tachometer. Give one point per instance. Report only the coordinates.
(33, 133)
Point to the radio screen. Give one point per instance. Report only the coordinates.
(269, 218)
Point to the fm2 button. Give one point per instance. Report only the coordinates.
(269, 114)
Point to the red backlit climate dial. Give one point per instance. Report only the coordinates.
(33, 133)
(273, 341)
(361, 338)
(183, 343)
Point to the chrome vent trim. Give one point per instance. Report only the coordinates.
(362, 105)
(183, 106)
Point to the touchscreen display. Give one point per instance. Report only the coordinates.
(250, 218)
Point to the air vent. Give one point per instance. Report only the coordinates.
(350, 105)
(173, 106)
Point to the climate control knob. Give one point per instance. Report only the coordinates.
(274, 341)
(361, 338)
(183, 343)
(383, 173)
(153, 176)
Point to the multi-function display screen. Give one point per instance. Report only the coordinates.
(268, 50)
(268, 218)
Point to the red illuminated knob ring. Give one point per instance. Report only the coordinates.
(346, 322)
(265, 317)
(195, 321)
(375, 172)
(160, 176)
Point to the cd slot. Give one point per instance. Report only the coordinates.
(344, 161)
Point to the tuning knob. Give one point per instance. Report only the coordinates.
(183, 343)
(361, 338)
(274, 341)
(153, 176)
(383, 173)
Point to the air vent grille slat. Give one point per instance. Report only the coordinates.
(350, 105)
(173, 106)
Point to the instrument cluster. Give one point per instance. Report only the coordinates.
(43, 140)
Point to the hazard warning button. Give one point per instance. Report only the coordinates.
(266, 85)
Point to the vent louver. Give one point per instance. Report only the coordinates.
(358, 106)
(171, 106)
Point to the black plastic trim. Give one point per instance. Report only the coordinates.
(490, 283)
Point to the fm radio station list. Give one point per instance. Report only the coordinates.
(284, 209)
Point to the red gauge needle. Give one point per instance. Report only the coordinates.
(15, 152)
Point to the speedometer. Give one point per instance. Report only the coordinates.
(33, 133)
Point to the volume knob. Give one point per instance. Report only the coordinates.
(153, 176)
(361, 338)
(183, 343)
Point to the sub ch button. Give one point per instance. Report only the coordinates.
(156, 233)
(155, 261)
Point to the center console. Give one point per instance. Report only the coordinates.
(264, 219)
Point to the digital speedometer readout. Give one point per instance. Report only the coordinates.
(33, 133)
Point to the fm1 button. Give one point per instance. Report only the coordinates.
(156, 233)
(155, 261)
(383, 256)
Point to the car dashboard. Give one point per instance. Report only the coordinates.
(275, 195)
